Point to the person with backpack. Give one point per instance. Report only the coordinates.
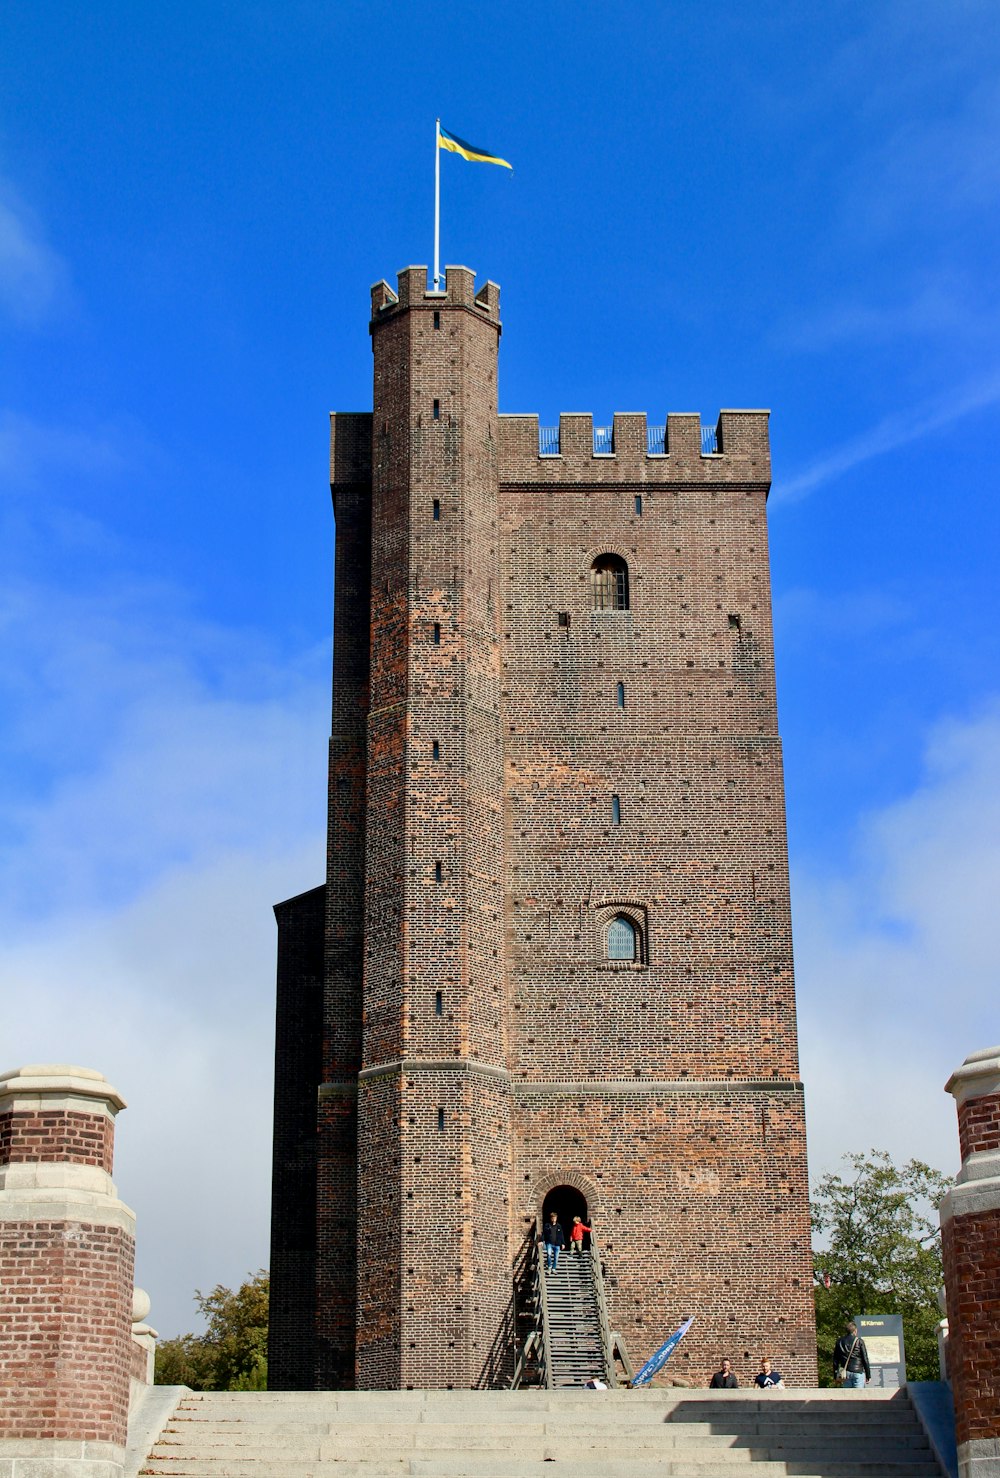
(850, 1359)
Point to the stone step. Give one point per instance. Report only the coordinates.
(199, 1434)
(564, 1445)
(507, 1465)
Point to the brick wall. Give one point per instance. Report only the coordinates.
(970, 1237)
(66, 1263)
(298, 1051)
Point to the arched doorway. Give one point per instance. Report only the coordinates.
(567, 1201)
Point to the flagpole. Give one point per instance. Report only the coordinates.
(437, 204)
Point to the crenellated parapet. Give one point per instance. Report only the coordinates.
(458, 292)
(637, 450)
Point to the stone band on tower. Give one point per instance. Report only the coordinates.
(552, 958)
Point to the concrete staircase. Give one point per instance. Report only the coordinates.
(574, 1324)
(529, 1434)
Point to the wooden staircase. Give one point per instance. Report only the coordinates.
(574, 1344)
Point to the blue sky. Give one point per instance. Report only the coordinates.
(790, 206)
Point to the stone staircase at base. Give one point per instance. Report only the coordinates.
(521, 1434)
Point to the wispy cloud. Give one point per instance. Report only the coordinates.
(170, 777)
(31, 449)
(33, 276)
(900, 429)
(896, 949)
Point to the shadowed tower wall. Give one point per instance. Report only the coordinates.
(520, 767)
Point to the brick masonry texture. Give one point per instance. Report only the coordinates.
(511, 770)
(66, 1313)
(57, 1135)
(979, 1124)
(971, 1248)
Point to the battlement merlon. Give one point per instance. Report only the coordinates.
(741, 452)
(458, 292)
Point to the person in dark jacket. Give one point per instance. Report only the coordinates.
(724, 1379)
(850, 1359)
(555, 1239)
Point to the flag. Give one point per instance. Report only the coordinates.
(656, 1362)
(452, 142)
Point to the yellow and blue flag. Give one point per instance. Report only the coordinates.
(452, 142)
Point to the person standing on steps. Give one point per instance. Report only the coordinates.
(724, 1379)
(554, 1237)
(576, 1236)
(850, 1359)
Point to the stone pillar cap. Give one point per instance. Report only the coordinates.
(978, 1076)
(56, 1079)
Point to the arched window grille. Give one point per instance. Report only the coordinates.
(623, 939)
(609, 583)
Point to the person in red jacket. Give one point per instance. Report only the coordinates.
(576, 1235)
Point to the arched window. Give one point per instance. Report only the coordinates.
(609, 583)
(623, 939)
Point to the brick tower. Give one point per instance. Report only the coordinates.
(551, 963)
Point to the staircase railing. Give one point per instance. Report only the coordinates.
(607, 1341)
(533, 1311)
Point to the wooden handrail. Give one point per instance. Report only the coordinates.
(607, 1343)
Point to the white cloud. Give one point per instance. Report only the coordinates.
(896, 952)
(169, 781)
(913, 424)
(33, 277)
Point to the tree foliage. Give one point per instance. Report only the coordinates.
(232, 1353)
(876, 1237)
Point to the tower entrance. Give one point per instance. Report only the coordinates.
(566, 1201)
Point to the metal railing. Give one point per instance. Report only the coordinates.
(548, 441)
(656, 441)
(709, 443)
(604, 441)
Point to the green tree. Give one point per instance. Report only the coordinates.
(232, 1353)
(876, 1238)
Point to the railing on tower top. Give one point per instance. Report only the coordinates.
(604, 441)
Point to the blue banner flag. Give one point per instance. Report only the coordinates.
(656, 1362)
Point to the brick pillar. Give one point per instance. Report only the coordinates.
(67, 1248)
(970, 1232)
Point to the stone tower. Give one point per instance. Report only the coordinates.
(551, 963)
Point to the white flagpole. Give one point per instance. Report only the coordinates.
(437, 204)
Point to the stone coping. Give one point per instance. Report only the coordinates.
(978, 1076)
(26, 1087)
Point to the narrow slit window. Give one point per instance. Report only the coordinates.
(435, 750)
(620, 695)
(437, 410)
(437, 319)
(437, 633)
(438, 872)
(638, 504)
(616, 810)
(440, 1120)
(437, 510)
(438, 1003)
